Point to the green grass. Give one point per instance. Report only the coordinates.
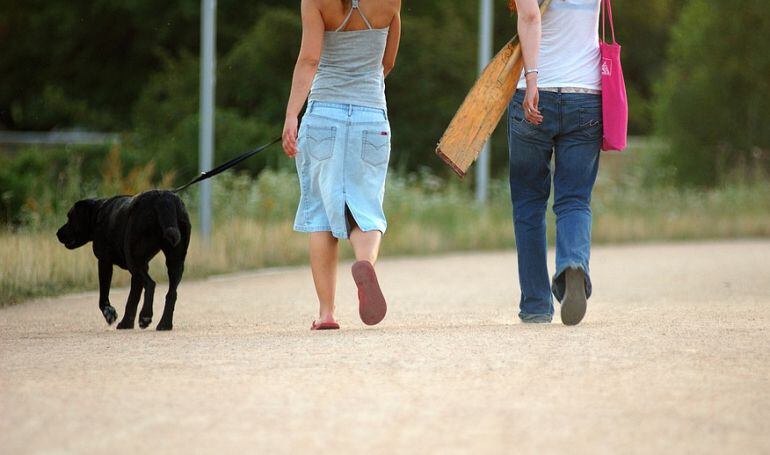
(426, 215)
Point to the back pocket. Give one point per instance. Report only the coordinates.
(320, 141)
(376, 147)
(519, 125)
(591, 122)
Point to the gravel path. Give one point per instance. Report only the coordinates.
(673, 357)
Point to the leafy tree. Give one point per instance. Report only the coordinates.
(435, 69)
(96, 55)
(255, 75)
(252, 91)
(132, 66)
(712, 101)
(643, 29)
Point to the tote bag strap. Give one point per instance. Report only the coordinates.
(607, 7)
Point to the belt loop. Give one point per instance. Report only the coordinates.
(350, 110)
(310, 107)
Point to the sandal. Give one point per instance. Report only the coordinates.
(371, 303)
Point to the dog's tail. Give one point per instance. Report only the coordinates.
(167, 216)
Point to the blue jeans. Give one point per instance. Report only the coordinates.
(572, 130)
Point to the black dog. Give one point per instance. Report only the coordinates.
(128, 232)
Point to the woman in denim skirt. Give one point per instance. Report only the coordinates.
(342, 147)
(555, 113)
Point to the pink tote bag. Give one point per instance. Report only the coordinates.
(614, 99)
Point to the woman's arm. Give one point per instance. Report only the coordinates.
(529, 36)
(304, 72)
(394, 39)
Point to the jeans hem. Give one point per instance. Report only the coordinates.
(311, 229)
(535, 318)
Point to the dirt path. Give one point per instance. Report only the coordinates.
(673, 356)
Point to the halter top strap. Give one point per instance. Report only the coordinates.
(354, 7)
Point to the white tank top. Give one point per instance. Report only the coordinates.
(569, 49)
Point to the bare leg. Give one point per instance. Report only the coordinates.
(366, 245)
(371, 303)
(324, 252)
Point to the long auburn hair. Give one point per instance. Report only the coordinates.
(346, 3)
(511, 5)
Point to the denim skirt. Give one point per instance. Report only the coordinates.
(342, 166)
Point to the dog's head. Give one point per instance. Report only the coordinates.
(79, 228)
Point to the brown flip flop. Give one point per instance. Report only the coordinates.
(371, 303)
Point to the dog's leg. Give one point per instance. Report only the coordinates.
(105, 280)
(133, 301)
(175, 270)
(145, 316)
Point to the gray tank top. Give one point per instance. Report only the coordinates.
(350, 70)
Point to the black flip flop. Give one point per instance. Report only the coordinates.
(573, 306)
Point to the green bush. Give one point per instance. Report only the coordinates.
(712, 102)
(38, 182)
(39, 185)
(254, 77)
(252, 89)
(435, 69)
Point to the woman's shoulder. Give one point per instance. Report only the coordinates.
(382, 5)
(391, 7)
(394, 4)
(379, 13)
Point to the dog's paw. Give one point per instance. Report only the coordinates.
(123, 325)
(144, 321)
(164, 326)
(110, 315)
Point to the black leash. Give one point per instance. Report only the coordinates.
(223, 167)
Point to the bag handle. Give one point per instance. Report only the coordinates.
(607, 6)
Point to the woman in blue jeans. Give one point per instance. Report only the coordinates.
(343, 145)
(555, 113)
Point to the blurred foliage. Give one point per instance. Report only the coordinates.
(643, 29)
(253, 216)
(98, 53)
(132, 66)
(30, 177)
(42, 184)
(117, 65)
(253, 219)
(712, 102)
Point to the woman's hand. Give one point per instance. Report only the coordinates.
(531, 101)
(290, 136)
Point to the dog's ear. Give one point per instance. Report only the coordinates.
(89, 203)
(80, 225)
(86, 210)
(87, 206)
